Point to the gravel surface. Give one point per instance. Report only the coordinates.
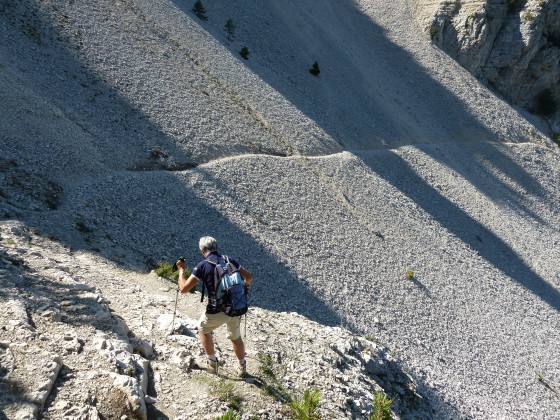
(330, 189)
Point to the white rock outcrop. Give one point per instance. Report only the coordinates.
(512, 46)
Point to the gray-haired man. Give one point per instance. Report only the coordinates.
(212, 317)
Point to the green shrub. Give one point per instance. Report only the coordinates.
(306, 408)
(269, 384)
(434, 29)
(557, 137)
(545, 103)
(266, 365)
(244, 53)
(225, 391)
(528, 16)
(315, 69)
(229, 415)
(409, 274)
(381, 407)
(166, 270)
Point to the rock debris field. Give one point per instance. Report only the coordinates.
(402, 222)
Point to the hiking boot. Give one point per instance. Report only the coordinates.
(204, 363)
(211, 366)
(242, 369)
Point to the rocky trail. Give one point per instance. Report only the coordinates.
(83, 338)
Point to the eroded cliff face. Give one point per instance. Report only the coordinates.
(513, 46)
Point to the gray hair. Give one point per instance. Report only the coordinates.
(207, 243)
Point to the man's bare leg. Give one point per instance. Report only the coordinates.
(207, 343)
(239, 348)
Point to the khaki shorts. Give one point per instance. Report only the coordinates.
(209, 322)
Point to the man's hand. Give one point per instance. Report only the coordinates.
(180, 264)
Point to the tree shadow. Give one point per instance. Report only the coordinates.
(496, 175)
(103, 225)
(371, 93)
(95, 127)
(395, 170)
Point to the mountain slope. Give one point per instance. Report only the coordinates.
(329, 188)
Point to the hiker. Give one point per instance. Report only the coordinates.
(212, 317)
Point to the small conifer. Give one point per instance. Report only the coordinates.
(315, 69)
(230, 29)
(244, 53)
(199, 10)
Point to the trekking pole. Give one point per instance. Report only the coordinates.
(175, 310)
(245, 328)
(176, 295)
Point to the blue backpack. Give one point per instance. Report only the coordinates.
(230, 294)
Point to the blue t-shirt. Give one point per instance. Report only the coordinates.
(205, 271)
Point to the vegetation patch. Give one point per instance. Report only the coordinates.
(244, 53)
(381, 407)
(434, 29)
(224, 390)
(306, 408)
(229, 415)
(545, 103)
(528, 16)
(164, 269)
(270, 385)
(315, 69)
(199, 10)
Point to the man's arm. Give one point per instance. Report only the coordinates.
(185, 284)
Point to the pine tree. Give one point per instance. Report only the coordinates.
(199, 10)
(244, 53)
(315, 69)
(230, 29)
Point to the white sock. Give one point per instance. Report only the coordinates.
(212, 357)
(242, 361)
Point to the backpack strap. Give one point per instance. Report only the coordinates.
(216, 276)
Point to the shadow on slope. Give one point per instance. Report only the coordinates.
(103, 224)
(370, 93)
(395, 170)
(494, 174)
(55, 105)
(154, 229)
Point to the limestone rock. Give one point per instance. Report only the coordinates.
(143, 347)
(512, 47)
(131, 387)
